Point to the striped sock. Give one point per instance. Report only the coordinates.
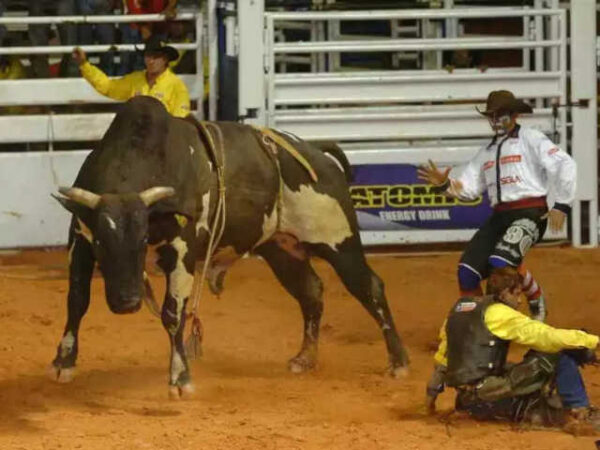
(531, 288)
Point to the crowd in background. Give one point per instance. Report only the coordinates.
(112, 63)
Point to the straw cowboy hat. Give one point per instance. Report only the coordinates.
(506, 102)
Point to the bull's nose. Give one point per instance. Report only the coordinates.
(129, 305)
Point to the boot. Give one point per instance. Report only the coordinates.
(584, 421)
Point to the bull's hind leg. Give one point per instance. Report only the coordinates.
(300, 280)
(350, 264)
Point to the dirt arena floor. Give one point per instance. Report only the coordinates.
(245, 398)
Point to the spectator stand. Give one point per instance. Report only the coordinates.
(28, 216)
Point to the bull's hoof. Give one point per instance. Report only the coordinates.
(216, 283)
(301, 364)
(398, 372)
(183, 392)
(60, 374)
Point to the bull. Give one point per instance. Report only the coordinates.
(153, 182)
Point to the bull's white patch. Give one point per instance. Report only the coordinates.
(313, 217)
(177, 366)
(203, 221)
(180, 280)
(71, 248)
(192, 150)
(269, 226)
(66, 344)
(335, 160)
(82, 229)
(111, 222)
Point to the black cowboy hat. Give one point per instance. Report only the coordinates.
(154, 46)
(506, 102)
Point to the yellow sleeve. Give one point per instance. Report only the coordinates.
(440, 356)
(509, 324)
(117, 89)
(180, 103)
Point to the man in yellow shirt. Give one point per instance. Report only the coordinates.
(156, 81)
(472, 359)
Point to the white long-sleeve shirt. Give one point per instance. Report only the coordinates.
(521, 165)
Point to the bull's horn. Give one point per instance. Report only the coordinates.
(81, 196)
(152, 195)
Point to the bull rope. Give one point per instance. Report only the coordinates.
(193, 350)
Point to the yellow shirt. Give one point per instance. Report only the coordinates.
(168, 88)
(510, 325)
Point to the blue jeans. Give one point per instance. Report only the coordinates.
(103, 33)
(131, 61)
(569, 383)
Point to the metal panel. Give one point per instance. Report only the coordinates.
(374, 238)
(28, 215)
(410, 45)
(388, 123)
(585, 119)
(374, 87)
(39, 92)
(251, 64)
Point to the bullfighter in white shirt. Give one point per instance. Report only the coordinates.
(516, 168)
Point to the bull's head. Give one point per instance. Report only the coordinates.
(116, 225)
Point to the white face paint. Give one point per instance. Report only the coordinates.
(84, 231)
(313, 217)
(501, 124)
(203, 221)
(180, 280)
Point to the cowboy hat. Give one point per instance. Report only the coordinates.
(154, 45)
(504, 101)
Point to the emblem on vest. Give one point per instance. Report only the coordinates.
(465, 306)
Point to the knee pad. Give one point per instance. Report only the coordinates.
(468, 278)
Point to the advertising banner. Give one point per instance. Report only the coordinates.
(391, 197)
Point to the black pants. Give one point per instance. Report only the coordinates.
(506, 236)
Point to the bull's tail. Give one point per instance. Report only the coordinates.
(331, 148)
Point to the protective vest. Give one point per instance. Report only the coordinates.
(473, 351)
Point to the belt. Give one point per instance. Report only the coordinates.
(529, 202)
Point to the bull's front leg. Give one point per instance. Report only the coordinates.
(81, 267)
(177, 261)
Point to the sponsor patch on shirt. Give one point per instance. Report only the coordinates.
(508, 159)
(465, 306)
(488, 165)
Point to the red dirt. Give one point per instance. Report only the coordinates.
(245, 397)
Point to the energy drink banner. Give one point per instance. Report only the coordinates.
(391, 197)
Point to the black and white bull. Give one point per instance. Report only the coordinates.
(152, 184)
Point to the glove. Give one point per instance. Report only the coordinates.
(582, 356)
(537, 308)
(435, 386)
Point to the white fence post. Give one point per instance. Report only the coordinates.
(251, 79)
(585, 122)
